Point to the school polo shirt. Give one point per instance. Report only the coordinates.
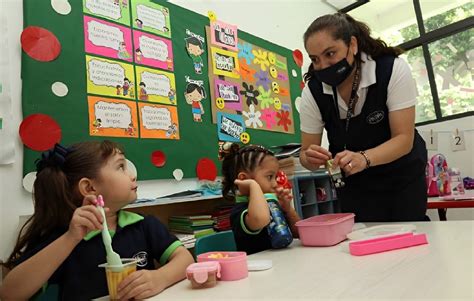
(245, 239)
(80, 278)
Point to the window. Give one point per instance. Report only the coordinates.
(438, 37)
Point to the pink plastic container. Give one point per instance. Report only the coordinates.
(325, 230)
(233, 264)
(203, 274)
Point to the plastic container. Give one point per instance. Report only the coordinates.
(116, 273)
(325, 230)
(203, 274)
(233, 264)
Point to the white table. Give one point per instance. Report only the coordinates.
(441, 270)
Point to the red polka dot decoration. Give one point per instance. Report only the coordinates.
(206, 169)
(158, 158)
(298, 57)
(40, 132)
(40, 44)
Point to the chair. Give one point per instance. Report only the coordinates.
(220, 241)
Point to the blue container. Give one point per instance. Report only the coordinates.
(278, 230)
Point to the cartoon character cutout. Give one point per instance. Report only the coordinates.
(138, 55)
(195, 49)
(97, 124)
(122, 52)
(126, 86)
(125, 4)
(119, 89)
(139, 23)
(171, 95)
(172, 131)
(130, 130)
(194, 95)
(142, 95)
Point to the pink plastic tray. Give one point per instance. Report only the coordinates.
(386, 243)
(325, 230)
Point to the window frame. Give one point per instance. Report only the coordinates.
(423, 40)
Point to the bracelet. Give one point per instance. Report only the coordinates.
(367, 160)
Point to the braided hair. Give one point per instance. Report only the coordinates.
(238, 159)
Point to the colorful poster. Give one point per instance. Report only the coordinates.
(229, 127)
(107, 39)
(156, 85)
(224, 62)
(153, 51)
(115, 10)
(151, 17)
(112, 117)
(229, 92)
(111, 78)
(224, 35)
(158, 121)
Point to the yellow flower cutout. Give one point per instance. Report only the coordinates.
(261, 59)
(212, 16)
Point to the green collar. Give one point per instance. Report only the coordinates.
(245, 199)
(125, 218)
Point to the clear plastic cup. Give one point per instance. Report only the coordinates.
(115, 274)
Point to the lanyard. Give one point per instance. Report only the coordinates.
(354, 97)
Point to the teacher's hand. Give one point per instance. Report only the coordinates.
(350, 162)
(317, 155)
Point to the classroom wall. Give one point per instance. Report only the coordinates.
(15, 201)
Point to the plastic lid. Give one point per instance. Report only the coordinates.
(325, 219)
(200, 270)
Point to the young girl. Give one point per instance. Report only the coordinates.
(60, 247)
(250, 177)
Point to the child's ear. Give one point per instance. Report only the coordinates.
(86, 187)
(243, 176)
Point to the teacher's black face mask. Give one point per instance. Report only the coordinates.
(335, 74)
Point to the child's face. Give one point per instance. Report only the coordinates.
(194, 49)
(265, 174)
(116, 184)
(193, 96)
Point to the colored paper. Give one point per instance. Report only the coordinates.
(298, 57)
(40, 132)
(111, 78)
(151, 17)
(153, 51)
(229, 127)
(158, 121)
(112, 117)
(229, 92)
(115, 10)
(40, 44)
(156, 85)
(158, 158)
(206, 169)
(224, 35)
(225, 62)
(107, 39)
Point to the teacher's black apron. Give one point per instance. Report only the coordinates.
(390, 192)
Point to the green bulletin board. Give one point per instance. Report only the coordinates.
(196, 140)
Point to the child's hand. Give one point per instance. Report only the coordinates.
(85, 218)
(140, 285)
(284, 198)
(245, 185)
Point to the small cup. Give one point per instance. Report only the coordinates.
(115, 274)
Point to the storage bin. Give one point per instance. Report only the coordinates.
(325, 230)
(233, 264)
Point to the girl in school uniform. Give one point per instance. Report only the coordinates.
(60, 247)
(262, 208)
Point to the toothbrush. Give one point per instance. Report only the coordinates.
(113, 258)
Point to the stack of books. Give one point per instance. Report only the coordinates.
(188, 240)
(221, 217)
(197, 225)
